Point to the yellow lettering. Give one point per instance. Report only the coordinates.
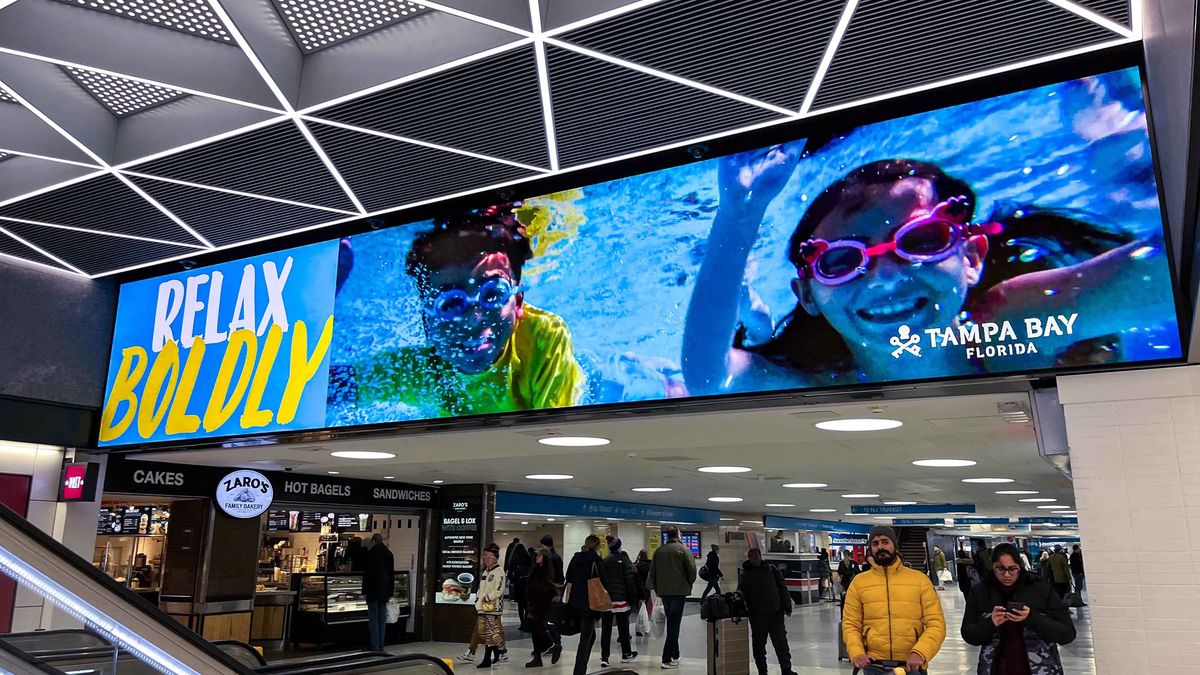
(178, 420)
(133, 365)
(303, 367)
(252, 416)
(151, 412)
(221, 405)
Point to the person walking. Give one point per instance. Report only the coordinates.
(540, 592)
(378, 585)
(621, 581)
(963, 567)
(712, 572)
(768, 602)
(489, 606)
(1017, 619)
(1077, 568)
(824, 576)
(519, 564)
(892, 612)
(585, 565)
(672, 573)
(1060, 571)
(556, 568)
(939, 566)
(847, 570)
(1044, 565)
(508, 554)
(642, 568)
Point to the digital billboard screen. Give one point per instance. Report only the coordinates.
(1013, 234)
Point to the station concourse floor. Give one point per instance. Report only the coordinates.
(811, 634)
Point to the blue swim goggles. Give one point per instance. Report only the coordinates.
(453, 304)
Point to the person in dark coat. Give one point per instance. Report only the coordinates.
(585, 565)
(641, 567)
(621, 581)
(1077, 567)
(1023, 640)
(556, 568)
(712, 570)
(847, 569)
(378, 585)
(518, 564)
(540, 592)
(768, 602)
(962, 569)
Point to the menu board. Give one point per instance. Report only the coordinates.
(458, 550)
(107, 521)
(690, 540)
(277, 521)
(308, 521)
(135, 520)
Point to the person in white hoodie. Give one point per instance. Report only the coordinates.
(489, 605)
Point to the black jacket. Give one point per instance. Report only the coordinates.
(379, 579)
(556, 563)
(620, 579)
(713, 563)
(1049, 623)
(642, 568)
(1077, 562)
(764, 589)
(847, 569)
(584, 565)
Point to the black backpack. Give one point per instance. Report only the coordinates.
(719, 606)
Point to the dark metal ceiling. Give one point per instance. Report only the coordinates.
(138, 131)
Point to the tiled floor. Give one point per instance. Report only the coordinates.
(811, 634)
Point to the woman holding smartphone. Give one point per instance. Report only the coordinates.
(1017, 619)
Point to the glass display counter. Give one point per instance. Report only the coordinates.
(135, 561)
(326, 601)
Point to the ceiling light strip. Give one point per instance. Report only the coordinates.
(1137, 16)
(165, 211)
(201, 142)
(827, 58)
(240, 39)
(252, 195)
(135, 78)
(53, 125)
(337, 175)
(476, 18)
(597, 18)
(1095, 17)
(449, 65)
(33, 155)
(426, 144)
(543, 75)
(27, 261)
(119, 235)
(791, 114)
(51, 188)
(44, 252)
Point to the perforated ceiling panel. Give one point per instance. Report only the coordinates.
(5, 98)
(94, 253)
(765, 50)
(895, 44)
(638, 111)
(318, 24)
(387, 174)
(121, 96)
(463, 108)
(191, 17)
(276, 161)
(4, 156)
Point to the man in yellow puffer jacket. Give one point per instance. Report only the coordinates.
(892, 612)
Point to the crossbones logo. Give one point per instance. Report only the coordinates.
(906, 341)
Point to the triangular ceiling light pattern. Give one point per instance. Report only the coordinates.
(94, 253)
(492, 107)
(767, 50)
(224, 218)
(20, 174)
(103, 203)
(1116, 10)
(12, 247)
(636, 111)
(190, 17)
(559, 13)
(386, 174)
(121, 96)
(513, 13)
(276, 161)
(320, 24)
(892, 45)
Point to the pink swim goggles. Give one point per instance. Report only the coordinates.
(926, 239)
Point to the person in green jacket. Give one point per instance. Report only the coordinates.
(939, 564)
(672, 573)
(1060, 571)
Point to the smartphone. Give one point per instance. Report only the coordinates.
(1014, 607)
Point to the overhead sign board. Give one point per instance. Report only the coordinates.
(884, 509)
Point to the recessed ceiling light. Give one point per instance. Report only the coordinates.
(822, 510)
(524, 522)
(652, 489)
(729, 519)
(334, 472)
(388, 477)
(881, 517)
(550, 520)
(1037, 500)
(945, 463)
(864, 424)
(958, 513)
(549, 476)
(988, 480)
(779, 506)
(899, 503)
(805, 485)
(438, 481)
(1054, 507)
(724, 469)
(860, 495)
(362, 454)
(752, 522)
(573, 441)
(1016, 492)
(725, 499)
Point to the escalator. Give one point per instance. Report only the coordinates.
(122, 634)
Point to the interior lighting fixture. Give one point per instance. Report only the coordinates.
(724, 469)
(652, 489)
(120, 96)
(822, 510)
(1054, 507)
(333, 472)
(1016, 492)
(438, 481)
(1037, 500)
(388, 477)
(524, 522)
(779, 506)
(725, 499)
(945, 463)
(317, 24)
(549, 476)
(860, 495)
(881, 517)
(362, 454)
(550, 520)
(5, 98)
(899, 503)
(988, 480)
(729, 519)
(863, 424)
(752, 522)
(573, 441)
(800, 486)
(193, 17)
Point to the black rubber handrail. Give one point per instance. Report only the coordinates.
(47, 542)
(244, 647)
(347, 661)
(33, 665)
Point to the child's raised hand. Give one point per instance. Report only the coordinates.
(756, 177)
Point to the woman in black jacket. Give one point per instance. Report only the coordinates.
(621, 581)
(539, 594)
(585, 565)
(1017, 640)
(518, 574)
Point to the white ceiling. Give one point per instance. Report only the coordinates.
(781, 445)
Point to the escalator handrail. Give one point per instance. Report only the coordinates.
(47, 542)
(245, 647)
(34, 665)
(321, 668)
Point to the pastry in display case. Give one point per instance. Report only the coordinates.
(330, 600)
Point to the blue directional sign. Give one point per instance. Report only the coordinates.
(981, 521)
(1048, 521)
(517, 502)
(918, 521)
(883, 509)
(785, 523)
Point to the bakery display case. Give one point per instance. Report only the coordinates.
(330, 601)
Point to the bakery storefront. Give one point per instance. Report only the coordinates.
(265, 557)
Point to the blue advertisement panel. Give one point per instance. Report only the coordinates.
(884, 509)
(520, 502)
(1014, 234)
(786, 523)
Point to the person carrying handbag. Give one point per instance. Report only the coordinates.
(621, 582)
(582, 594)
(489, 606)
